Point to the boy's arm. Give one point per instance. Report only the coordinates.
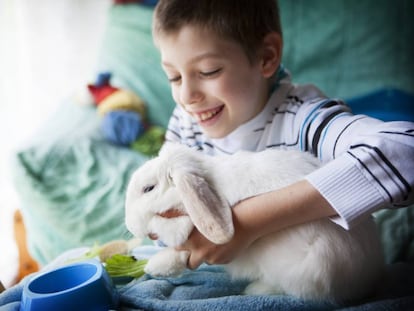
(371, 163)
(259, 216)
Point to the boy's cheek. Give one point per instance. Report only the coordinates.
(175, 96)
(177, 101)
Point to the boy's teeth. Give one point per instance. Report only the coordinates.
(207, 115)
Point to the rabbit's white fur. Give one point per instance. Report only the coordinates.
(317, 260)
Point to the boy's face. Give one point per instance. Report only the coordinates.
(212, 79)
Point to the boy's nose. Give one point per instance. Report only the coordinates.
(190, 93)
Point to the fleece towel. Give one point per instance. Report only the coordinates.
(210, 288)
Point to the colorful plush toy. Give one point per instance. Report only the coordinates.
(124, 117)
(122, 112)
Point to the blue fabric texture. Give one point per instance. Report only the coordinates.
(210, 288)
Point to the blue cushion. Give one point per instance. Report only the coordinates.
(386, 104)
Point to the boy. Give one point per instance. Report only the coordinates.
(223, 60)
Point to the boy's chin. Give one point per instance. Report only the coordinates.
(215, 133)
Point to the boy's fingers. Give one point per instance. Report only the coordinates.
(194, 261)
(194, 245)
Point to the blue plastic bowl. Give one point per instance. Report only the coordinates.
(82, 286)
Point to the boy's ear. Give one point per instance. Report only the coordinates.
(271, 54)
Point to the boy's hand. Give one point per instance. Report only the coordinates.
(202, 250)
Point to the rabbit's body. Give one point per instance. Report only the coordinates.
(316, 260)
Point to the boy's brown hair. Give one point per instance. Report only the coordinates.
(246, 22)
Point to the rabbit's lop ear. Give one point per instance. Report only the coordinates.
(211, 216)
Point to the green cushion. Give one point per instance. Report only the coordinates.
(129, 53)
(72, 184)
(349, 47)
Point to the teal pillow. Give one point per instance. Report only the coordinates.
(130, 55)
(349, 47)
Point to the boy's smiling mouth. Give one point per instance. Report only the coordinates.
(207, 115)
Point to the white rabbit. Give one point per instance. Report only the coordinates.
(183, 188)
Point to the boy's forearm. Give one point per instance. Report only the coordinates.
(276, 210)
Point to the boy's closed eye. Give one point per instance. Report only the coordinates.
(174, 79)
(210, 73)
(203, 74)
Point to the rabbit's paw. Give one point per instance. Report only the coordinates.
(166, 263)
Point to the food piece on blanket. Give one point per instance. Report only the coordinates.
(113, 248)
(103, 252)
(121, 247)
(120, 265)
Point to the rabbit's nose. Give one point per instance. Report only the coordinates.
(153, 236)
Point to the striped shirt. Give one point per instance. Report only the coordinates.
(369, 164)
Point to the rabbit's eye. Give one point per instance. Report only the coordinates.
(148, 188)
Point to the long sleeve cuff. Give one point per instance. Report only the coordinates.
(352, 194)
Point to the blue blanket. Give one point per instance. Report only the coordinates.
(210, 288)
